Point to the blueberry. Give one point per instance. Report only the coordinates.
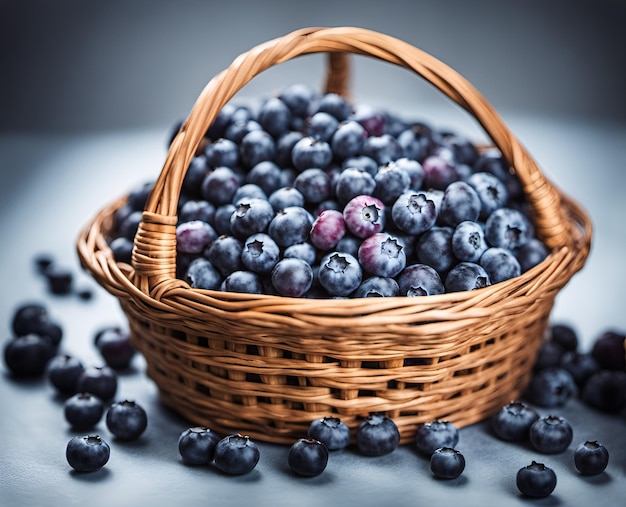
(128, 226)
(307, 457)
(256, 146)
(274, 116)
(98, 380)
(413, 212)
(194, 236)
(236, 454)
(122, 249)
(434, 248)
(331, 431)
(382, 254)
(580, 366)
(292, 277)
(298, 98)
(364, 215)
(115, 347)
(223, 214)
(340, 273)
(336, 105)
(347, 140)
(28, 317)
(466, 276)
(438, 172)
(414, 169)
(608, 350)
(500, 264)
(285, 197)
(460, 202)
(447, 463)
(531, 253)
(362, 163)
(605, 390)
(353, 182)
(310, 152)
(322, 126)
(196, 172)
(377, 435)
(248, 191)
(513, 421)
(565, 335)
(290, 225)
(377, 286)
(221, 121)
(536, 480)
(201, 274)
(492, 161)
(197, 209)
(27, 356)
(88, 453)
(433, 435)
(327, 229)
(63, 371)
(349, 244)
(126, 419)
(468, 241)
(251, 216)
(591, 457)
(304, 251)
(391, 182)
(549, 355)
(284, 147)
(83, 410)
(508, 228)
(222, 153)
(383, 148)
(225, 254)
(242, 281)
(196, 445)
(551, 434)
(260, 253)
(266, 175)
(491, 191)
(551, 387)
(416, 141)
(219, 185)
(420, 280)
(238, 129)
(313, 184)
(59, 279)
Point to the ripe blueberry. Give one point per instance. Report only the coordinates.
(88, 453)
(196, 445)
(126, 420)
(307, 457)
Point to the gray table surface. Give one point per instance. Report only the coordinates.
(50, 185)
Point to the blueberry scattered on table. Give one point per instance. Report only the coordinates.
(377, 435)
(447, 463)
(536, 480)
(331, 431)
(88, 453)
(513, 421)
(551, 434)
(591, 457)
(126, 419)
(307, 457)
(83, 410)
(433, 435)
(196, 445)
(236, 454)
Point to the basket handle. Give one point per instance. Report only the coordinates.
(154, 256)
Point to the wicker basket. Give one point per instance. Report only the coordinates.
(267, 365)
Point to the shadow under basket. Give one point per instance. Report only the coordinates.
(265, 365)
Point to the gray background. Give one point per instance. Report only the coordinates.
(85, 65)
(88, 92)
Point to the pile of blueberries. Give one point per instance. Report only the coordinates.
(308, 195)
(561, 372)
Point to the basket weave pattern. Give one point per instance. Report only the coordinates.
(268, 365)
